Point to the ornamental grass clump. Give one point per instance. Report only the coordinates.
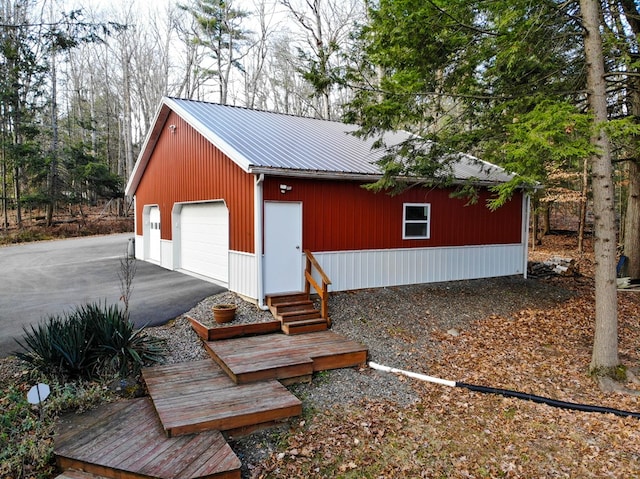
(93, 341)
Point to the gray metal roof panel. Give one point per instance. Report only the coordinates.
(261, 139)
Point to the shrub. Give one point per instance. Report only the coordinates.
(120, 347)
(39, 343)
(94, 340)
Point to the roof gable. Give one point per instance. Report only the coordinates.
(265, 142)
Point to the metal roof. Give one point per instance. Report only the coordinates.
(265, 142)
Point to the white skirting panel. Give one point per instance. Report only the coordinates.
(243, 276)
(378, 268)
(166, 254)
(139, 247)
(242, 268)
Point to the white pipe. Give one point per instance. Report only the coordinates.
(258, 225)
(421, 377)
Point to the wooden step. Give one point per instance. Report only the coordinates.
(305, 326)
(279, 356)
(274, 299)
(198, 396)
(248, 365)
(125, 440)
(293, 306)
(300, 315)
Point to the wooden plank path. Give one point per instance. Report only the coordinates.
(278, 356)
(197, 396)
(125, 440)
(194, 401)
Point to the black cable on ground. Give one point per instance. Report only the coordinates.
(548, 401)
(508, 393)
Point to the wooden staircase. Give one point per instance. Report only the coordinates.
(296, 311)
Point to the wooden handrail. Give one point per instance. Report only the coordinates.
(309, 281)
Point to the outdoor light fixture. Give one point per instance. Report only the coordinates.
(285, 188)
(172, 128)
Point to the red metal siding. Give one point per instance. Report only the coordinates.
(341, 215)
(186, 167)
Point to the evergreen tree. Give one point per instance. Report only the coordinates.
(505, 80)
(221, 33)
(463, 74)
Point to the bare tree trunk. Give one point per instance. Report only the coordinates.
(5, 186)
(632, 222)
(534, 222)
(223, 73)
(260, 47)
(546, 220)
(127, 136)
(92, 115)
(53, 167)
(583, 205)
(16, 168)
(326, 25)
(323, 60)
(604, 357)
(534, 227)
(17, 195)
(632, 215)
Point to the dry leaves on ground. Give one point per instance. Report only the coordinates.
(453, 432)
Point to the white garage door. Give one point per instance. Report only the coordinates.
(204, 240)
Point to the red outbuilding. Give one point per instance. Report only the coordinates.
(235, 196)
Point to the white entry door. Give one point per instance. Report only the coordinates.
(282, 247)
(154, 234)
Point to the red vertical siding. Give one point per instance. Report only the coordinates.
(341, 215)
(185, 166)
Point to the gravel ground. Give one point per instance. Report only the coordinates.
(397, 325)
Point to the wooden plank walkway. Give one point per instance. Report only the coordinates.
(125, 440)
(197, 396)
(278, 356)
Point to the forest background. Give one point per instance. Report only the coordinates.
(516, 83)
(82, 81)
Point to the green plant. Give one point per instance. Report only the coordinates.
(26, 444)
(21, 433)
(39, 343)
(74, 343)
(94, 340)
(121, 348)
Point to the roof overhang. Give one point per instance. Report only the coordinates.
(332, 175)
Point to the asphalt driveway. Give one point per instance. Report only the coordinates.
(53, 277)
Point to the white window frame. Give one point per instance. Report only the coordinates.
(405, 221)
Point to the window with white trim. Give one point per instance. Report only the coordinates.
(416, 221)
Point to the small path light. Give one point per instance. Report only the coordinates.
(38, 394)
